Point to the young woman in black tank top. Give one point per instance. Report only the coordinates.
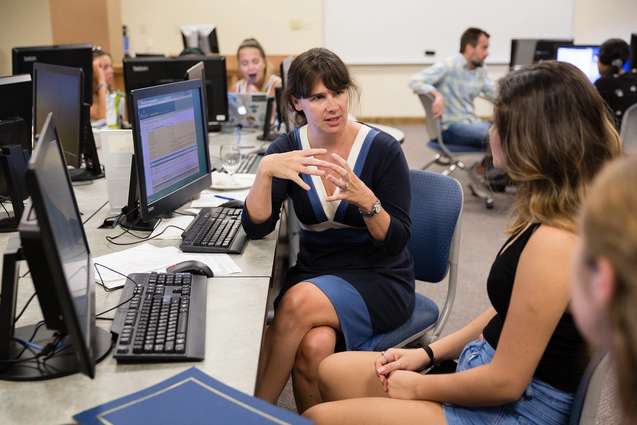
(521, 360)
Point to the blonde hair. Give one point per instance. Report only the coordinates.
(609, 228)
(252, 43)
(556, 134)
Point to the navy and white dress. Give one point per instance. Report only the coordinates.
(370, 283)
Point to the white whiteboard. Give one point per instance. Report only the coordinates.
(400, 31)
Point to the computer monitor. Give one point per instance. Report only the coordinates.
(171, 163)
(286, 116)
(16, 94)
(202, 37)
(148, 72)
(74, 55)
(58, 89)
(56, 249)
(526, 52)
(583, 57)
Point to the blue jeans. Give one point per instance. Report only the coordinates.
(474, 134)
(541, 404)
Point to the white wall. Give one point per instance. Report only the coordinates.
(283, 26)
(22, 23)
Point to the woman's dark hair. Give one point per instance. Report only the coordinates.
(307, 69)
(614, 53)
(556, 134)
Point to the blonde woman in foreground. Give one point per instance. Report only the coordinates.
(605, 274)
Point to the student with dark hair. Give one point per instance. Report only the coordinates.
(455, 83)
(521, 360)
(605, 274)
(618, 88)
(255, 73)
(349, 184)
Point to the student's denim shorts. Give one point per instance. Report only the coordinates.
(540, 404)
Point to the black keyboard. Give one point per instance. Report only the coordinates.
(165, 319)
(215, 230)
(249, 163)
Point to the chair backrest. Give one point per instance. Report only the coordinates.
(586, 401)
(434, 127)
(628, 133)
(436, 208)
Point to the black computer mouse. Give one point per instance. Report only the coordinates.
(235, 203)
(191, 266)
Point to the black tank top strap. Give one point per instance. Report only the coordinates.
(525, 236)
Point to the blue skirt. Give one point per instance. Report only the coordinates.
(540, 404)
(351, 310)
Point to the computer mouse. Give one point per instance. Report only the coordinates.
(191, 266)
(234, 203)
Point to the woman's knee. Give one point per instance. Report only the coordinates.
(298, 305)
(315, 346)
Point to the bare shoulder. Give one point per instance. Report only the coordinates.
(548, 253)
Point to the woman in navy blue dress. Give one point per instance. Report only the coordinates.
(349, 184)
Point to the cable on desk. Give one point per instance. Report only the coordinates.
(123, 302)
(93, 215)
(17, 317)
(111, 239)
(5, 209)
(185, 213)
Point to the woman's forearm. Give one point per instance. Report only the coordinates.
(259, 200)
(450, 347)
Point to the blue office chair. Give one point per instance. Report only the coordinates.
(446, 154)
(436, 209)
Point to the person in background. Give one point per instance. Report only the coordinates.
(617, 87)
(521, 360)
(455, 83)
(108, 105)
(349, 184)
(254, 70)
(604, 287)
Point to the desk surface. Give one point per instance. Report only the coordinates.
(236, 311)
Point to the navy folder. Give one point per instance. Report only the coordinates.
(191, 397)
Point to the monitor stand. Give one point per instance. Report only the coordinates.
(92, 169)
(61, 364)
(13, 165)
(131, 218)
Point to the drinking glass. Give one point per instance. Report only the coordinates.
(230, 158)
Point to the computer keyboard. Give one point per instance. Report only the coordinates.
(165, 319)
(249, 163)
(215, 230)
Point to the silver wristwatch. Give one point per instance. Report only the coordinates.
(373, 211)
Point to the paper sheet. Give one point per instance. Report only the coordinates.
(208, 198)
(147, 258)
(171, 233)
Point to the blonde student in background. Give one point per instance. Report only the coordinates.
(605, 274)
(108, 105)
(256, 75)
(521, 360)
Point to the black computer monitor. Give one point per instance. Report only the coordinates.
(171, 163)
(200, 37)
(57, 252)
(148, 72)
(58, 89)
(16, 94)
(529, 51)
(74, 55)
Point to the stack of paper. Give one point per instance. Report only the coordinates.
(147, 258)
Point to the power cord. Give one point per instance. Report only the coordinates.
(111, 239)
(17, 317)
(93, 215)
(97, 316)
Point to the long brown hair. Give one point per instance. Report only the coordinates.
(310, 67)
(556, 134)
(609, 229)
